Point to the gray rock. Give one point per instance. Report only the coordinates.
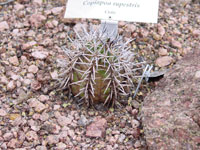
(83, 121)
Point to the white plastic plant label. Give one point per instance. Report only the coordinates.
(118, 10)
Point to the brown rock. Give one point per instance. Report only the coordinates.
(164, 61)
(28, 45)
(35, 85)
(161, 30)
(163, 52)
(97, 128)
(14, 116)
(136, 132)
(171, 113)
(176, 44)
(37, 20)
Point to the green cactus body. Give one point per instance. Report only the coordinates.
(99, 70)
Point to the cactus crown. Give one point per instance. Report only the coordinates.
(99, 69)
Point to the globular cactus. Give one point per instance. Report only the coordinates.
(98, 69)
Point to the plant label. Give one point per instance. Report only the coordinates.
(117, 10)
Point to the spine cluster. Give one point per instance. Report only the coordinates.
(99, 69)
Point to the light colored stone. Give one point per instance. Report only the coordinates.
(55, 23)
(29, 45)
(44, 116)
(26, 81)
(3, 80)
(137, 144)
(163, 52)
(41, 148)
(57, 10)
(24, 59)
(4, 26)
(197, 74)
(97, 128)
(121, 138)
(61, 146)
(3, 146)
(79, 27)
(31, 33)
(3, 113)
(18, 7)
(44, 98)
(56, 107)
(33, 69)
(71, 133)
(11, 85)
(8, 136)
(196, 33)
(34, 103)
(30, 76)
(130, 28)
(14, 60)
(37, 2)
(15, 76)
(55, 129)
(35, 85)
(168, 10)
(31, 136)
(52, 139)
(64, 121)
(13, 143)
(161, 30)
(135, 123)
(39, 54)
(164, 61)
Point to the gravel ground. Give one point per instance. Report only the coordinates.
(34, 116)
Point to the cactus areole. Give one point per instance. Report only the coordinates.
(99, 70)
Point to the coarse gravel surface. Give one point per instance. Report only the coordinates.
(33, 115)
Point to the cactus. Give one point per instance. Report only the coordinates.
(98, 69)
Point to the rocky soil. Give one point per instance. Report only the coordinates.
(33, 115)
